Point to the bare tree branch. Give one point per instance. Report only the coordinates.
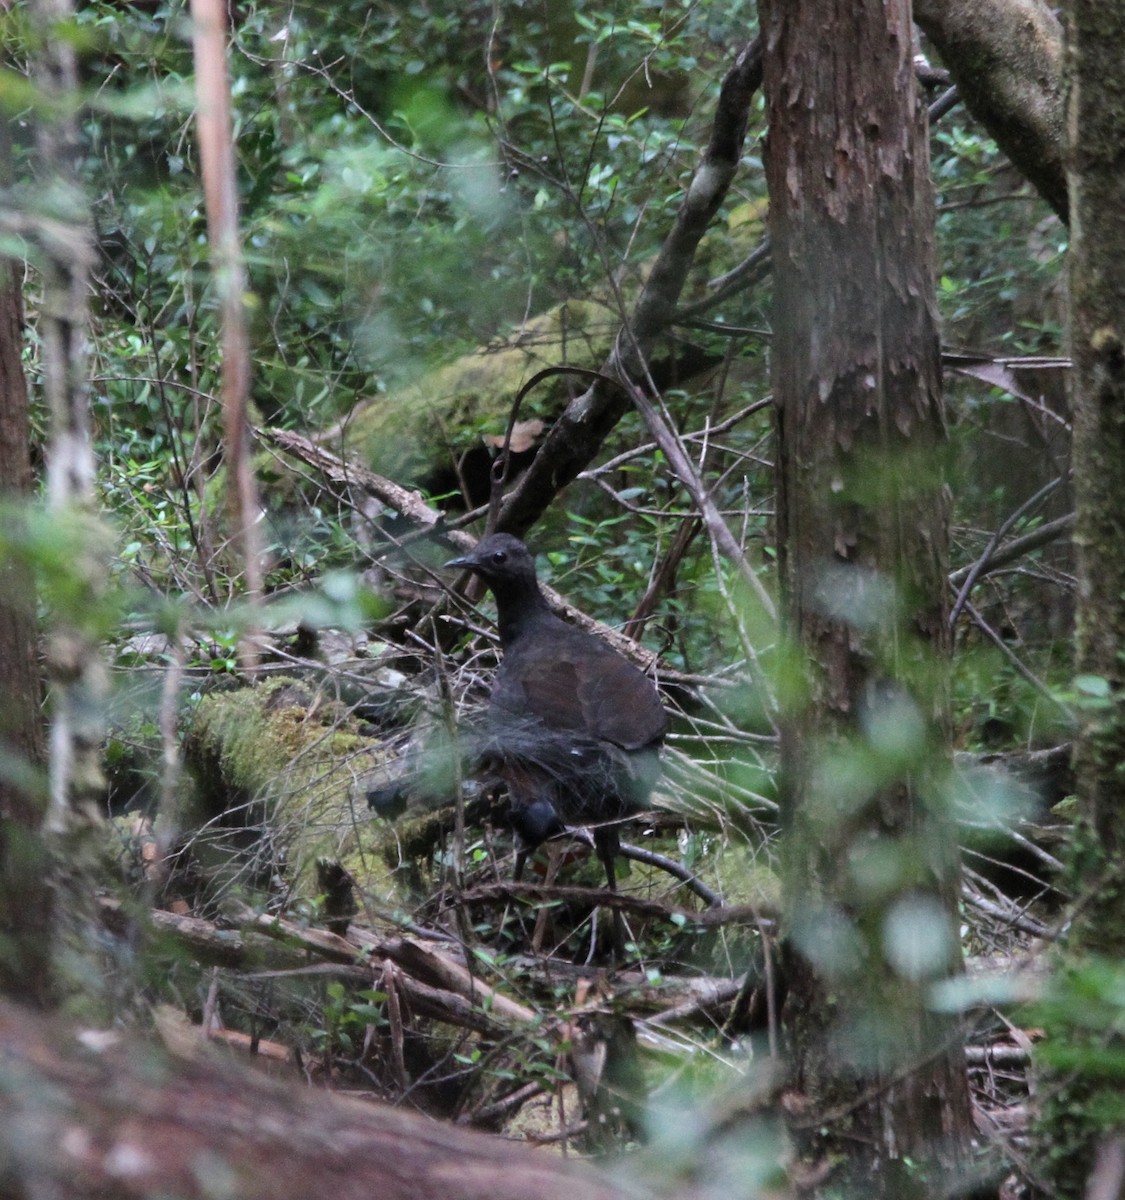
(579, 433)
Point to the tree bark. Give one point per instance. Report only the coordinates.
(1075, 1125)
(25, 899)
(1006, 59)
(862, 525)
(1096, 133)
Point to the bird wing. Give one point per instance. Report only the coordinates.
(572, 681)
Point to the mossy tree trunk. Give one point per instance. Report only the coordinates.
(1096, 131)
(25, 898)
(1081, 1134)
(872, 864)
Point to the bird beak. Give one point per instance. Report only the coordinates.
(467, 562)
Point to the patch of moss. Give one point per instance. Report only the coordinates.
(278, 762)
(449, 408)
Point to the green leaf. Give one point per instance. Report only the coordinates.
(1092, 685)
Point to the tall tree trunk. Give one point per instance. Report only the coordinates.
(1079, 1132)
(872, 866)
(1096, 130)
(25, 899)
(76, 673)
(75, 670)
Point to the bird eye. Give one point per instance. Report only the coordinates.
(500, 556)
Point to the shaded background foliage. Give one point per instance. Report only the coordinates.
(414, 183)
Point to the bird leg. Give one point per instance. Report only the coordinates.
(544, 913)
(606, 843)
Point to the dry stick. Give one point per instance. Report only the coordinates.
(650, 858)
(211, 1003)
(753, 269)
(662, 577)
(1001, 556)
(394, 1020)
(434, 985)
(997, 1056)
(216, 158)
(1029, 505)
(167, 827)
(421, 962)
(684, 469)
(726, 993)
(708, 918)
(478, 1011)
(405, 501)
(646, 448)
(1017, 920)
(487, 1115)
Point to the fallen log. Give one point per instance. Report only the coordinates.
(88, 1113)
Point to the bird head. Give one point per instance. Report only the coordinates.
(498, 558)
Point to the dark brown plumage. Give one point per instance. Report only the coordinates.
(575, 729)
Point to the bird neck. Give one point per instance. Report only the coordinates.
(519, 605)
